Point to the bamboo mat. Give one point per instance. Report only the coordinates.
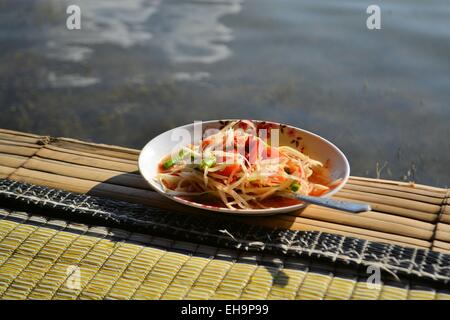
(403, 213)
(44, 258)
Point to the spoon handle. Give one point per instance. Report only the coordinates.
(335, 204)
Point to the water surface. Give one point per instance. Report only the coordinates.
(140, 67)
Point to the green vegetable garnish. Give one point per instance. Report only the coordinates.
(171, 162)
(208, 162)
(295, 186)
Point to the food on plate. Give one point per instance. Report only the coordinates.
(237, 168)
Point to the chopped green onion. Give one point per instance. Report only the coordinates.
(295, 186)
(208, 162)
(172, 161)
(169, 163)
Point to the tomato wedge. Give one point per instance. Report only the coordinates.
(229, 170)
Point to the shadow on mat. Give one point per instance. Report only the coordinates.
(109, 191)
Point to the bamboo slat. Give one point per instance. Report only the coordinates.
(89, 154)
(393, 201)
(101, 149)
(5, 171)
(12, 137)
(12, 160)
(19, 134)
(420, 230)
(303, 224)
(90, 162)
(415, 187)
(403, 213)
(403, 194)
(394, 210)
(18, 150)
(86, 173)
(94, 188)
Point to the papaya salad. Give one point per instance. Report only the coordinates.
(237, 169)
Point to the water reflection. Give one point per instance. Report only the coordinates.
(191, 31)
(140, 67)
(187, 31)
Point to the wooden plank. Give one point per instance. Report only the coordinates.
(90, 162)
(87, 173)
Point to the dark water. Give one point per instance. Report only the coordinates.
(140, 67)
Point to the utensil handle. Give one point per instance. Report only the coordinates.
(335, 204)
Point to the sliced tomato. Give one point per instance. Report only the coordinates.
(272, 152)
(229, 170)
(206, 143)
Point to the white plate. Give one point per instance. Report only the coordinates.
(311, 144)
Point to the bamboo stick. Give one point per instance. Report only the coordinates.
(441, 244)
(415, 187)
(377, 216)
(315, 225)
(18, 143)
(87, 173)
(17, 150)
(11, 160)
(91, 162)
(394, 193)
(112, 191)
(441, 250)
(103, 149)
(11, 137)
(445, 218)
(317, 213)
(5, 171)
(89, 154)
(442, 235)
(95, 188)
(446, 209)
(414, 214)
(19, 133)
(402, 203)
(443, 227)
